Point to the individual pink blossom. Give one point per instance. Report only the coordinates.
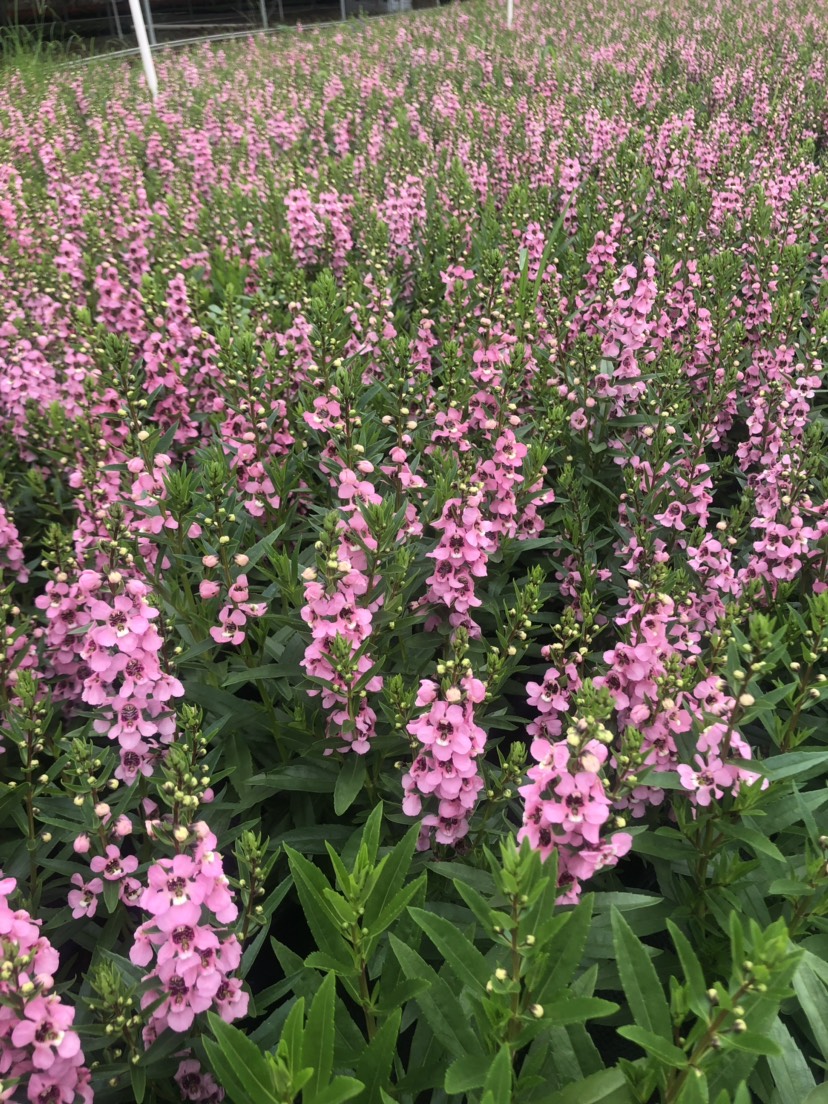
(83, 901)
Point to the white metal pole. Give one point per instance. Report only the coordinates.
(263, 9)
(510, 13)
(143, 46)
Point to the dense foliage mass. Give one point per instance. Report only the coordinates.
(414, 564)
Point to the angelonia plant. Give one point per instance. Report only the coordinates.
(414, 564)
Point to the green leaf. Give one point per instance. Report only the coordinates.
(391, 878)
(318, 960)
(795, 764)
(498, 1081)
(567, 945)
(302, 777)
(251, 952)
(480, 907)
(608, 1086)
(752, 1042)
(640, 980)
(322, 920)
(138, 1075)
(319, 1038)
(341, 1088)
(255, 553)
(577, 1010)
(693, 973)
(789, 887)
(111, 895)
(790, 1070)
(407, 990)
(250, 674)
(343, 878)
(373, 1066)
(695, 1090)
(349, 782)
(242, 1063)
(666, 1053)
(439, 1005)
(225, 1071)
(663, 844)
(464, 1074)
(293, 1034)
(819, 1095)
(739, 1064)
(396, 906)
(754, 838)
(481, 880)
(371, 833)
(459, 952)
(813, 999)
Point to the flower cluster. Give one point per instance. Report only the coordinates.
(192, 956)
(11, 550)
(237, 609)
(566, 807)
(340, 616)
(127, 678)
(39, 1050)
(446, 768)
(462, 553)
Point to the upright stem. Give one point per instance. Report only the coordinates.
(514, 1022)
(677, 1078)
(370, 1021)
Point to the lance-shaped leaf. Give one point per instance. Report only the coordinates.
(440, 1006)
(373, 1067)
(640, 981)
(459, 952)
(390, 877)
(319, 1038)
(323, 920)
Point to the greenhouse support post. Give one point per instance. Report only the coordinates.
(149, 23)
(144, 47)
(510, 13)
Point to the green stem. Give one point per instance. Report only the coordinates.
(365, 994)
(678, 1078)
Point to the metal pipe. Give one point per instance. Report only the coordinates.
(144, 47)
(149, 22)
(118, 29)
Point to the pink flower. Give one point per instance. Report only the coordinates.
(84, 900)
(113, 865)
(46, 1029)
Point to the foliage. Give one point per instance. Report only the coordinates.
(413, 563)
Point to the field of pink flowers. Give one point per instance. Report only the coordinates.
(414, 564)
